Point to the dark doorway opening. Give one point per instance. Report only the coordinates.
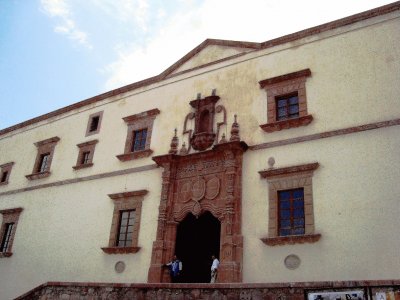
(196, 240)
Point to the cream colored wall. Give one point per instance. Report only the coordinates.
(354, 82)
(61, 231)
(356, 208)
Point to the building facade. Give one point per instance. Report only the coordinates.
(281, 158)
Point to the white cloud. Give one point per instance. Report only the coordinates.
(59, 9)
(127, 11)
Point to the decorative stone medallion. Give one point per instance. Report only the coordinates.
(292, 262)
(185, 192)
(198, 189)
(212, 188)
(119, 267)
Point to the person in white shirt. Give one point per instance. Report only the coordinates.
(214, 269)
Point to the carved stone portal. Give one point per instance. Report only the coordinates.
(196, 183)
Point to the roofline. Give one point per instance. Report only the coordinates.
(382, 10)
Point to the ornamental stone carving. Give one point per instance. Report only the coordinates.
(208, 181)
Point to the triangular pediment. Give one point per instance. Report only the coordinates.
(209, 52)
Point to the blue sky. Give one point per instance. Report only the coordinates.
(54, 53)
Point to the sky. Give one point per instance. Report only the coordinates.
(54, 53)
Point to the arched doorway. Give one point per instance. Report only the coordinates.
(197, 239)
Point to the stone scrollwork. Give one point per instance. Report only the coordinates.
(190, 116)
(219, 109)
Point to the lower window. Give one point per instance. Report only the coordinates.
(291, 213)
(8, 229)
(124, 233)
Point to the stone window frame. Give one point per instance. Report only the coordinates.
(125, 201)
(5, 169)
(43, 147)
(281, 86)
(85, 147)
(284, 179)
(89, 124)
(137, 122)
(9, 216)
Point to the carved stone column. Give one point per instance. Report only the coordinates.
(156, 272)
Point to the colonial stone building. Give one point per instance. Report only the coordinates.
(281, 158)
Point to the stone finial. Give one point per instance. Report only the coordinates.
(174, 144)
(223, 139)
(235, 131)
(183, 150)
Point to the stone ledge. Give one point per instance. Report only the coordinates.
(5, 254)
(38, 175)
(134, 155)
(82, 166)
(286, 124)
(291, 240)
(120, 250)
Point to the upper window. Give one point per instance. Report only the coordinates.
(85, 156)
(125, 225)
(44, 163)
(7, 230)
(139, 140)
(5, 171)
(287, 107)
(286, 101)
(140, 128)
(291, 217)
(44, 157)
(94, 123)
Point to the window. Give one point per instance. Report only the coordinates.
(85, 158)
(139, 140)
(5, 171)
(4, 176)
(44, 163)
(6, 237)
(125, 225)
(44, 157)
(140, 128)
(287, 107)
(94, 123)
(85, 155)
(291, 217)
(286, 101)
(291, 212)
(125, 232)
(7, 231)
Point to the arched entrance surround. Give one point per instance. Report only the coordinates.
(208, 181)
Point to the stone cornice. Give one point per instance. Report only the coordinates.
(145, 114)
(289, 170)
(128, 194)
(16, 210)
(286, 77)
